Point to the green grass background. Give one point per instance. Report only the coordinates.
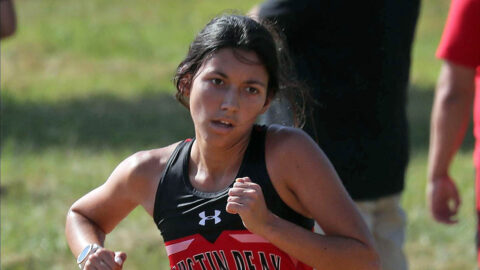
(86, 83)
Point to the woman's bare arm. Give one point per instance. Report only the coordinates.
(96, 214)
(307, 182)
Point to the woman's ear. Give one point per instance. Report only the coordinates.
(266, 105)
(185, 85)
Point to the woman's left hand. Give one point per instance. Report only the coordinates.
(246, 199)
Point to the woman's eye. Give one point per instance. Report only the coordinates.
(217, 81)
(252, 90)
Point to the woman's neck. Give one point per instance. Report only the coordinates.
(214, 168)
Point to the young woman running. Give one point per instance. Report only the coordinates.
(237, 195)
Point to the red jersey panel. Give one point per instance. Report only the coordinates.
(232, 250)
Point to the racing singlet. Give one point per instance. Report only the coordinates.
(200, 234)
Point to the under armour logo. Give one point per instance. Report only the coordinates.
(204, 218)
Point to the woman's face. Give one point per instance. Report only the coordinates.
(227, 94)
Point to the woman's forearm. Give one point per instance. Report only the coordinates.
(81, 231)
(320, 251)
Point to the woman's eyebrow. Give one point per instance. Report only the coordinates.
(221, 74)
(217, 72)
(256, 82)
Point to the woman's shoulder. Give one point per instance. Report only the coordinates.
(287, 146)
(148, 163)
(282, 138)
(138, 175)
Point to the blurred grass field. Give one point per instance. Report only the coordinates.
(86, 83)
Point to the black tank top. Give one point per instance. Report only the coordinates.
(200, 234)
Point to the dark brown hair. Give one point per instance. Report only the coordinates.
(243, 33)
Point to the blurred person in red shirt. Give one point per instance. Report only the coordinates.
(454, 99)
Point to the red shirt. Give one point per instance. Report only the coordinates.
(460, 44)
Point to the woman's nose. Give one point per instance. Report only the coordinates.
(231, 99)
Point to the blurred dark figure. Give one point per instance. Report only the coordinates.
(8, 20)
(452, 109)
(355, 56)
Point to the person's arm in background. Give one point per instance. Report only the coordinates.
(450, 118)
(8, 20)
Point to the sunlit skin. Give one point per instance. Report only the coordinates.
(225, 96)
